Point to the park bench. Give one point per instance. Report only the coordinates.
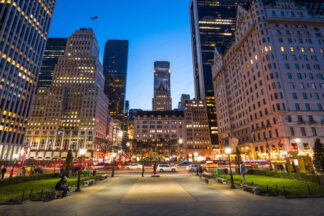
(89, 182)
(54, 194)
(221, 180)
(207, 176)
(252, 189)
(104, 176)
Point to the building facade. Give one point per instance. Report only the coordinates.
(269, 85)
(182, 134)
(24, 28)
(159, 131)
(55, 48)
(115, 71)
(197, 140)
(162, 88)
(72, 113)
(212, 26)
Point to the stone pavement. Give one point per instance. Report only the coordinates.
(169, 195)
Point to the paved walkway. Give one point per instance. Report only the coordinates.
(178, 195)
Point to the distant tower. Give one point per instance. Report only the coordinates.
(162, 90)
(115, 72)
(55, 48)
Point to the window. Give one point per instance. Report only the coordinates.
(307, 107)
(282, 49)
(292, 131)
(292, 86)
(314, 131)
(294, 95)
(310, 76)
(292, 49)
(316, 96)
(297, 107)
(299, 76)
(303, 131)
(304, 95)
(285, 57)
(319, 107)
(290, 77)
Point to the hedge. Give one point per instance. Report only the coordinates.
(298, 176)
(22, 179)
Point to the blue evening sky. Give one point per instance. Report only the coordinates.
(156, 30)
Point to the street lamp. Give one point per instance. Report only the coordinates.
(113, 165)
(81, 152)
(228, 151)
(195, 159)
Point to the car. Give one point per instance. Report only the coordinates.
(184, 164)
(192, 168)
(166, 168)
(134, 166)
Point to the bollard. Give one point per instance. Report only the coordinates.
(23, 195)
(309, 191)
(277, 189)
(284, 190)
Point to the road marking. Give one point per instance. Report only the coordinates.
(156, 190)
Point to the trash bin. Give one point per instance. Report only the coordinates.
(217, 172)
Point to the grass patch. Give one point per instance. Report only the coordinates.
(15, 192)
(280, 186)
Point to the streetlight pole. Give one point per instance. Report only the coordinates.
(82, 152)
(113, 166)
(228, 152)
(269, 154)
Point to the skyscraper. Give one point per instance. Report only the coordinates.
(55, 47)
(72, 113)
(115, 72)
(162, 90)
(212, 26)
(24, 27)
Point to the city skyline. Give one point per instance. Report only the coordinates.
(149, 41)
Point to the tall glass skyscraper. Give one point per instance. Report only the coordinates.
(55, 48)
(162, 88)
(212, 26)
(115, 72)
(24, 27)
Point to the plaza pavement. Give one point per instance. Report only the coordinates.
(171, 194)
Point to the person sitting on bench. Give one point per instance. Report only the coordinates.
(62, 186)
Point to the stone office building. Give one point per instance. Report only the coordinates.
(269, 85)
(72, 113)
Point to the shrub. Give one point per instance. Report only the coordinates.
(297, 176)
(22, 179)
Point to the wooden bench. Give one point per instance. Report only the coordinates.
(89, 182)
(252, 189)
(104, 176)
(221, 180)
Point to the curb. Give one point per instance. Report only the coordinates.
(11, 203)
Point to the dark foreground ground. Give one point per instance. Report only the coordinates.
(172, 194)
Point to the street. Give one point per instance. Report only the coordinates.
(170, 194)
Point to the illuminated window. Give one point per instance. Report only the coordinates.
(282, 49)
(292, 49)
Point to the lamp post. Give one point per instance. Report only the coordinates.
(113, 165)
(268, 149)
(228, 152)
(81, 152)
(195, 159)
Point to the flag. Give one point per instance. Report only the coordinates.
(94, 18)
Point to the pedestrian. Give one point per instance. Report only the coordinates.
(243, 172)
(62, 170)
(23, 171)
(62, 186)
(143, 170)
(11, 173)
(294, 167)
(3, 172)
(154, 168)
